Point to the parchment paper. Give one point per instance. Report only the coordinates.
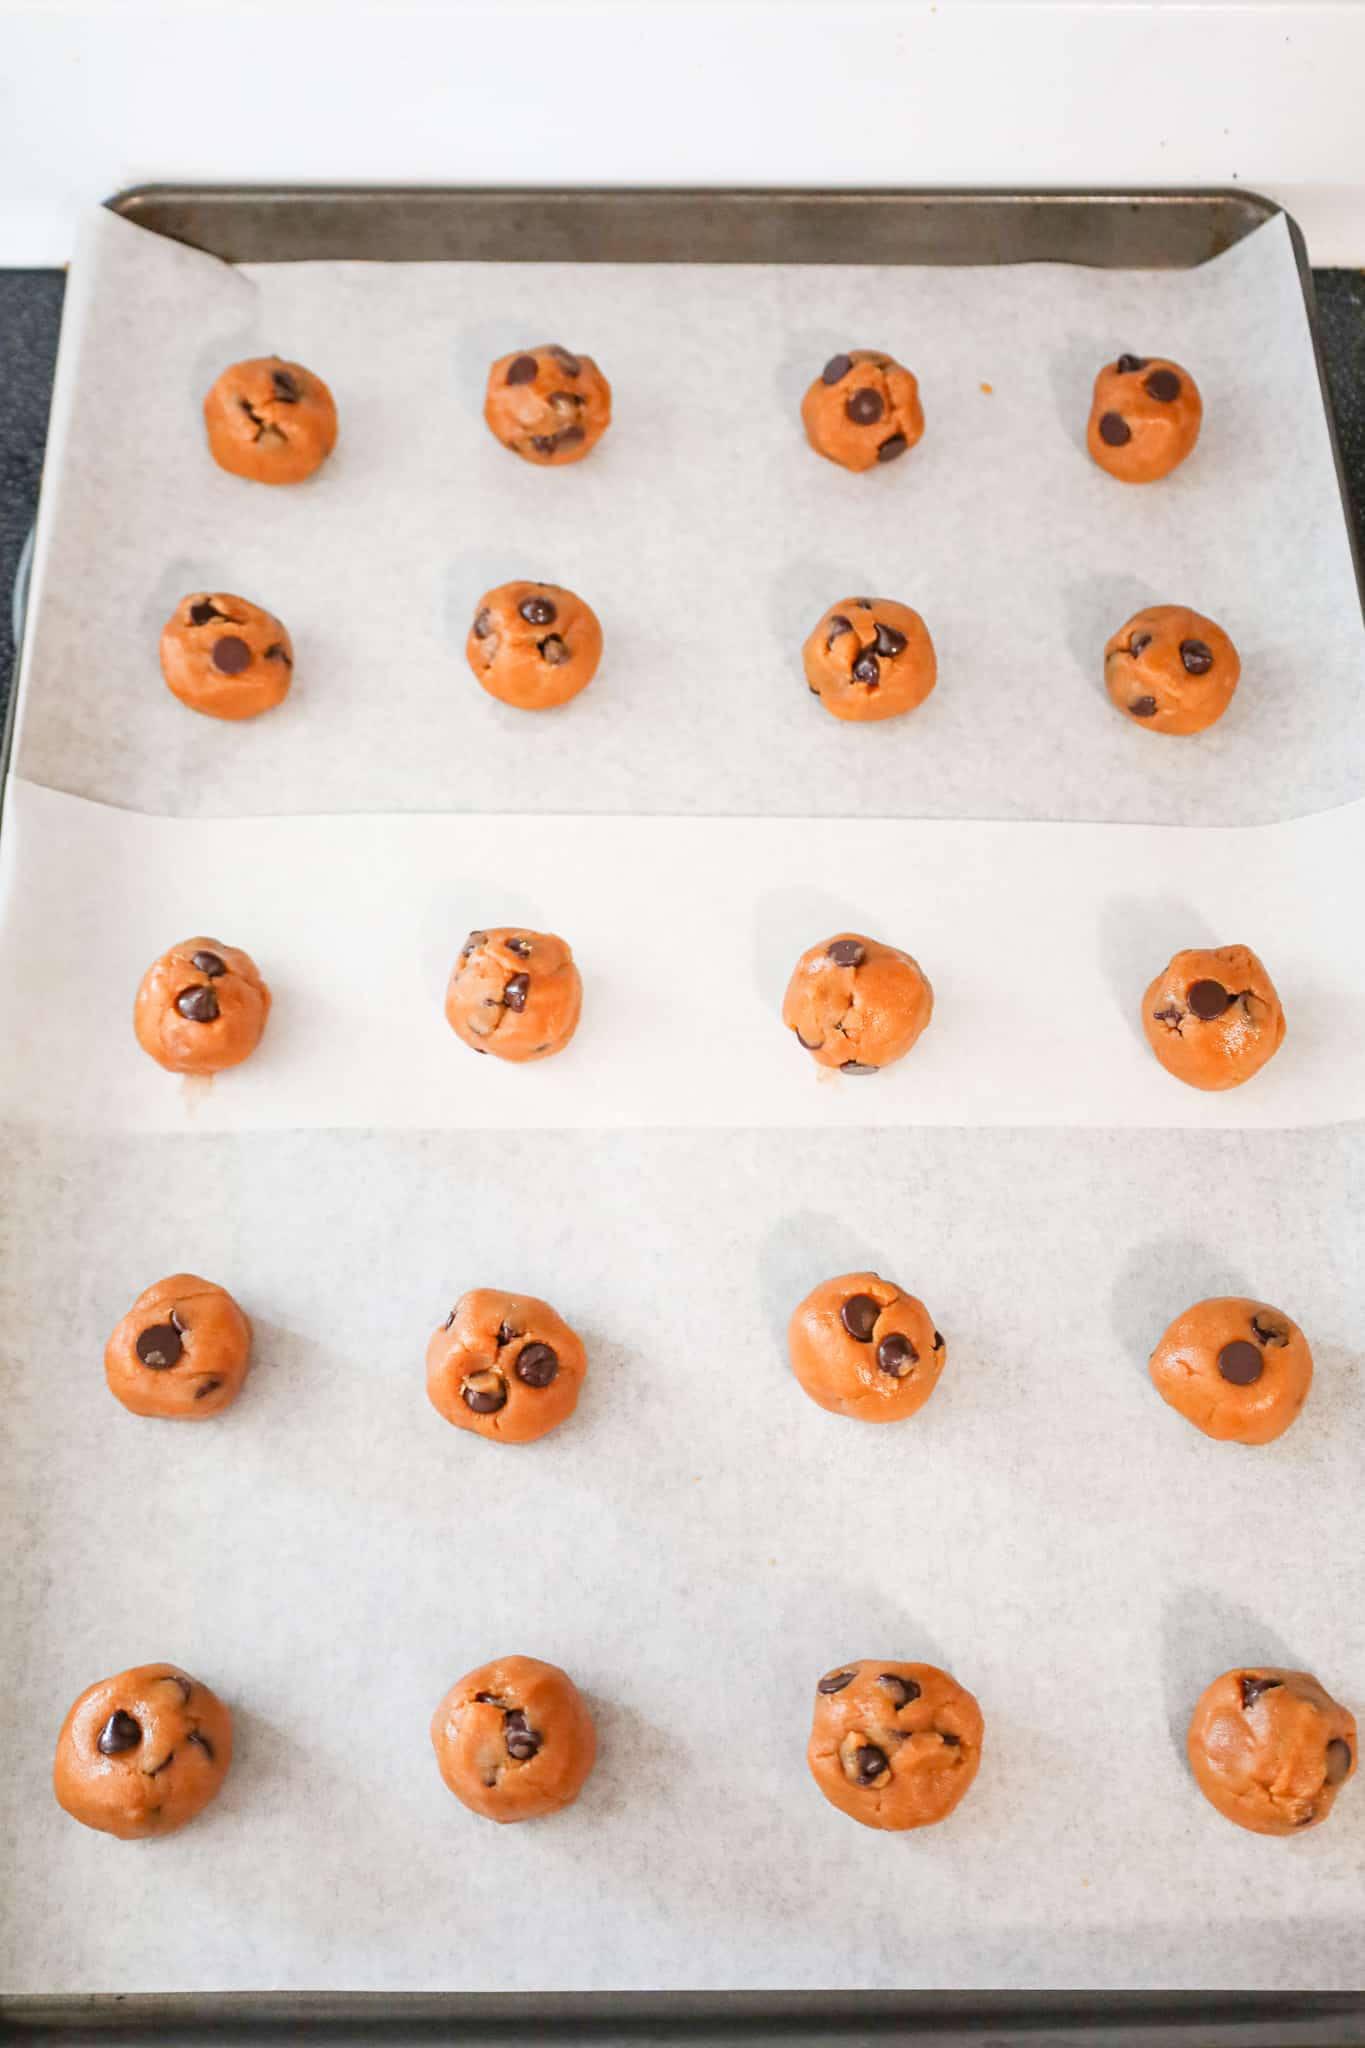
(704, 531)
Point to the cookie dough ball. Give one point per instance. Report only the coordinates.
(1213, 1018)
(201, 1007)
(142, 1753)
(1171, 670)
(1239, 1370)
(505, 1366)
(862, 409)
(547, 405)
(1144, 418)
(514, 993)
(514, 1739)
(270, 421)
(533, 644)
(1271, 1749)
(862, 1347)
(856, 1004)
(225, 656)
(894, 1745)
(870, 657)
(181, 1351)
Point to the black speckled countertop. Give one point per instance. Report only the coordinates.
(30, 312)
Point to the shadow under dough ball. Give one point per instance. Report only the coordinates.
(856, 1004)
(505, 1366)
(142, 1753)
(201, 1007)
(270, 421)
(1239, 1370)
(870, 658)
(1270, 1749)
(514, 993)
(547, 404)
(1212, 1016)
(514, 1739)
(533, 645)
(1144, 418)
(894, 1746)
(1170, 669)
(225, 656)
(863, 409)
(181, 1352)
(862, 1347)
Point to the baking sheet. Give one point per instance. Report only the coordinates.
(697, 1545)
(703, 530)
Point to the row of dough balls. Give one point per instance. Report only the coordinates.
(893, 1745)
(536, 645)
(1212, 1016)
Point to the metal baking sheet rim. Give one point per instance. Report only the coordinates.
(1220, 218)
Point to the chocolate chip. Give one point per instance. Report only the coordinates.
(1268, 1332)
(864, 406)
(858, 1067)
(1163, 385)
(176, 1323)
(199, 1004)
(521, 947)
(835, 1681)
(1252, 1688)
(848, 952)
(895, 1355)
(474, 940)
(514, 995)
(521, 1739)
(1338, 1761)
(891, 448)
(901, 1690)
(159, 1346)
(483, 624)
(201, 613)
(166, 1760)
(811, 1044)
(1207, 999)
(1143, 707)
(201, 1741)
(859, 1316)
(489, 1699)
(1197, 656)
(938, 1342)
(205, 1388)
(208, 963)
(1114, 429)
(1127, 364)
(864, 604)
(230, 655)
(537, 611)
(1138, 642)
(952, 1741)
(485, 1392)
(121, 1732)
(449, 1322)
(570, 365)
(867, 669)
(836, 626)
(836, 369)
(554, 650)
(888, 641)
(1240, 1363)
(537, 1364)
(522, 369)
(1170, 1015)
(286, 386)
(870, 1762)
(279, 652)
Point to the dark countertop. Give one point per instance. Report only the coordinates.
(30, 312)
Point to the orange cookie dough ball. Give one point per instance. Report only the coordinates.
(226, 657)
(547, 405)
(1212, 1017)
(1239, 1370)
(856, 1004)
(505, 1366)
(1171, 670)
(1271, 1749)
(514, 993)
(142, 1753)
(201, 1007)
(514, 1739)
(181, 1351)
(894, 1745)
(1144, 418)
(862, 1347)
(870, 657)
(862, 409)
(533, 644)
(270, 421)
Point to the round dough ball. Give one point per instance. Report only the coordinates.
(1270, 1749)
(225, 656)
(514, 1739)
(514, 993)
(181, 1351)
(533, 644)
(870, 657)
(201, 1007)
(1239, 1370)
(862, 409)
(856, 1004)
(546, 404)
(505, 1366)
(1144, 418)
(862, 1347)
(1212, 1017)
(270, 421)
(894, 1745)
(1171, 670)
(142, 1753)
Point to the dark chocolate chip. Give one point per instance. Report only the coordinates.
(208, 963)
(1138, 642)
(836, 369)
(521, 947)
(201, 1741)
(159, 1346)
(522, 1741)
(889, 641)
(901, 1690)
(230, 655)
(1163, 385)
(953, 1741)
(1252, 1688)
(870, 1762)
(488, 1699)
(120, 1733)
(514, 995)
(1143, 707)
(1127, 364)
(201, 613)
(848, 952)
(811, 1044)
(1197, 656)
(835, 1681)
(483, 624)
(569, 364)
(895, 1355)
(522, 369)
(938, 1342)
(205, 1388)
(474, 940)
(859, 1316)
(537, 611)
(867, 669)
(1240, 1363)
(1114, 429)
(485, 1393)
(895, 445)
(1208, 999)
(1170, 1015)
(199, 1004)
(864, 604)
(1338, 1761)
(858, 1067)
(537, 1364)
(1269, 1332)
(449, 1322)
(836, 626)
(864, 406)
(554, 650)
(286, 386)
